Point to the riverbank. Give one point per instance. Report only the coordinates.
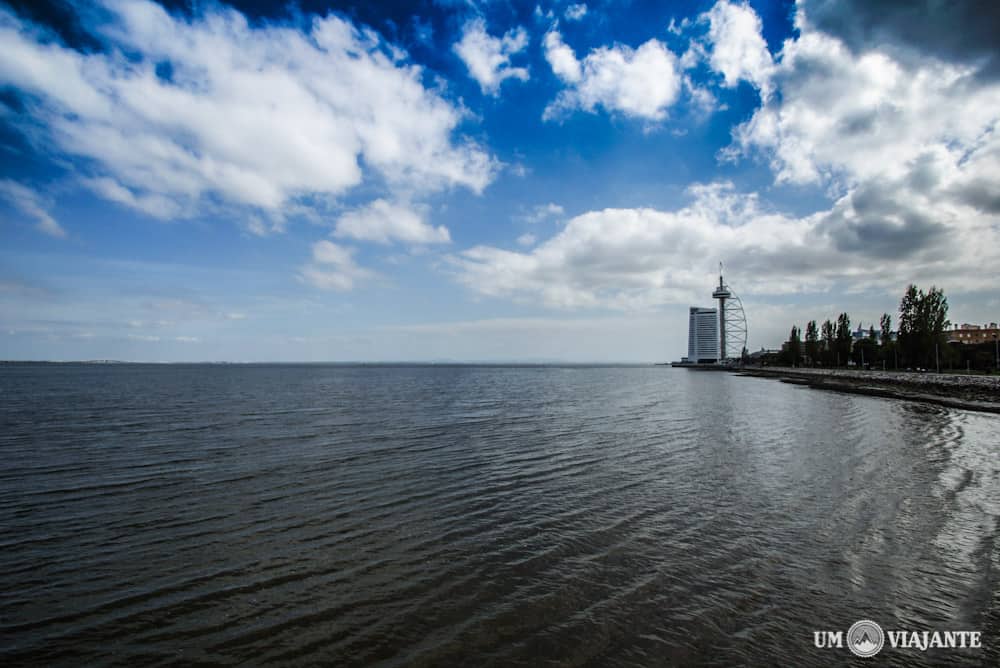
(968, 392)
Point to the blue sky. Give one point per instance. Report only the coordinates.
(483, 180)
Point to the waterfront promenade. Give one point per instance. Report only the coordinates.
(955, 390)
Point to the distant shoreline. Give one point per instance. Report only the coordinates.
(965, 392)
(390, 363)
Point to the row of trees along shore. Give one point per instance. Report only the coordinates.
(921, 341)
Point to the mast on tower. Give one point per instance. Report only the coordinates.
(722, 293)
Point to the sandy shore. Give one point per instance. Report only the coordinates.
(969, 392)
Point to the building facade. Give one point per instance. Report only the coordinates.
(703, 335)
(974, 333)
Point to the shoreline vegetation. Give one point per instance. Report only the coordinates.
(923, 341)
(824, 358)
(966, 392)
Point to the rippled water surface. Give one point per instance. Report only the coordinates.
(350, 515)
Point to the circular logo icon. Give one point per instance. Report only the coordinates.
(865, 638)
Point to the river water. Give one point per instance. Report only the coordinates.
(475, 515)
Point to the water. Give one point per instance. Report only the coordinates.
(435, 516)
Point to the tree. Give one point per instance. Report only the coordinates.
(843, 339)
(794, 348)
(885, 323)
(923, 319)
(909, 345)
(812, 342)
(829, 344)
(933, 322)
(866, 350)
(887, 351)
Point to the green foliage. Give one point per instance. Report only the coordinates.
(793, 350)
(921, 340)
(829, 344)
(923, 319)
(865, 353)
(887, 351)
(843, 339)
(812, 343)
(885, 323)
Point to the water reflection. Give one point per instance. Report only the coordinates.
(453, 515)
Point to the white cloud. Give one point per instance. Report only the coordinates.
(561, 58)
(383, 222)
(675, 28)
(187, 339)
(488, 57)
(28, 202)
(853, 118)
(255, 226)
(905, 142)
(519, 170)
(158, 206)
(148, 324)
(702, 101)
(254, 116)
(527, 240)
(575, 12)
(640, 83)
(542, 212)
(737, 50)
(333, 268)
(641, 258)
(632, 258)
(543, 16)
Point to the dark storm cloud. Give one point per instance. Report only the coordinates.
(962, 31)
(924, 174)
(788, 260)
(874, 222)
(896, 237)
(983, 194)
(860, 123)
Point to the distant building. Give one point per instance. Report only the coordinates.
(765, 357)
(967, 333)
(861, 333)
(703, 335)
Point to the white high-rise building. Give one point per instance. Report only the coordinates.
(703, 335)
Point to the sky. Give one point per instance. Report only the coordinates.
(485, 181)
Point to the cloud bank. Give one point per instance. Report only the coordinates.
(905, 144)
(174, 114)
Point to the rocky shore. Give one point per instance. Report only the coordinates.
(969, 392)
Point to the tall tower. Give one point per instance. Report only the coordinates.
(722, 293)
